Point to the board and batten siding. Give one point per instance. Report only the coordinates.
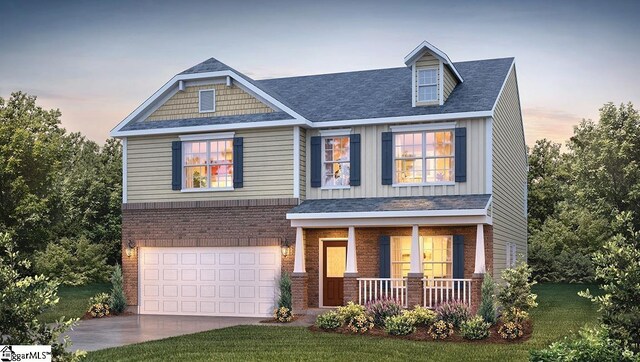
(509, 177)
(268, 168)
(371, 185)
(230, 101)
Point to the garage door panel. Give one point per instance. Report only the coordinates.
(229, 281)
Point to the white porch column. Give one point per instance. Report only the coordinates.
(298, 262)
(352, 261)
(480, 267)
(415, 267)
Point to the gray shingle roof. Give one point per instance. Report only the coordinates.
(416, 203)
(206, 121)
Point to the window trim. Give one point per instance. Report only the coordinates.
(436, 84)
(392, 263)
(323, 185)
(207, 139)
(424, 158)
(200, 100)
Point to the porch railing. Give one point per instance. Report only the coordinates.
(437, 291)
(376, 288)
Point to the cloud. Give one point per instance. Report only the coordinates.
(556, 125)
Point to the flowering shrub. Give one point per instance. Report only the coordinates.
(453, 312)
(381, 309)
(350, 311)
(421, 315)
(515, 315)
(99, 310)
(441, 330)
(329, 320)
(283, 315)
(510, 330)
(475, 328)
(100, 298)
(400, 325)
(360, 323)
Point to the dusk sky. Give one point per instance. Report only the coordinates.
(98, 60)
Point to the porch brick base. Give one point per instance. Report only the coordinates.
(299, 295)
(350, 288)
(414, 290)
(476, 292)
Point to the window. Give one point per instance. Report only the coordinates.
(424, 157)
(437, 256)
(208, 164)
(511, 255)
(427, 85)
(335, 162)
(207, 100)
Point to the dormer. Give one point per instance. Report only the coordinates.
(433, 75)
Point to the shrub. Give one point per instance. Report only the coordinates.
(381, 309)
(329, 320)
(510, 330)
(73, 261)
(453, 312)
(400, 325)
(441, 330)
(348, 312)
(475, 328)
(360, 323)
(284, 300)
(516, 292)
(591, 345)
(487, 307)
(421, 315)
(99, 298)
(514, 315)
(99, 310)
(117, 300)
(283, 315)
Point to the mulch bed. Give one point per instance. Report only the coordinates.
(295, 318)
(421, 334)
(88, 315)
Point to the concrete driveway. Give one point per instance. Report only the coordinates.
(94, 334)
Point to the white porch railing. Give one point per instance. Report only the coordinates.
(377, 288)
(437, 291)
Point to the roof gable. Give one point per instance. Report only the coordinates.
(425, 46)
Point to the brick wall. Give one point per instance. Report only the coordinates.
(240, 223)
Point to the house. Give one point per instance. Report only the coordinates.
(407, 182)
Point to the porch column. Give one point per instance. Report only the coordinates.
(416, 271)
(350, 280)
(352, 262)
(480, 267)
(298, 262)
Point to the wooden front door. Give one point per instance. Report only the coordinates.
(335, 263)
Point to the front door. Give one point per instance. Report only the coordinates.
(335, 263)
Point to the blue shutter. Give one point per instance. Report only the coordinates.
(354, 157)
(316, 161)
(461, 155)
(238, 163)
(176, 165)
(387, 158)
(385, 256)
(458, 257)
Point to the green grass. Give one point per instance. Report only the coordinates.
(559, 313)
(73, 301)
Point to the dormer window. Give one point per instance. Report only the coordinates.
(428, 85)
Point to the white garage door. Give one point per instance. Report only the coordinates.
(224, 281)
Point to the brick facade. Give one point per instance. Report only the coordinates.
(203, 223)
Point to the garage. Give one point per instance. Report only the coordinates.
(211, 281)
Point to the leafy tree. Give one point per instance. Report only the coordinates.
(23, 300)
(73, 261)
(516, 291)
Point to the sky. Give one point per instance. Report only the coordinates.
(98, 60)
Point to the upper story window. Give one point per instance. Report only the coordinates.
(437, 256)
(428, 85)
(424, 157)
(208, 164)
(207, 102)
(335, 161)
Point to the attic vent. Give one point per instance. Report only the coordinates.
(207, 100)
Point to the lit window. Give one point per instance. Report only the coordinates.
(427, 85)
(208, 164)
(424, 157)
(437, 256)
(336, 163)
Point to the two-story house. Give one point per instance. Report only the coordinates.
(407, 182)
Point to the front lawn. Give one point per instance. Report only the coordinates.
(560, 312)
(73, 301)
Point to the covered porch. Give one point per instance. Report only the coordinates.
(425, 253)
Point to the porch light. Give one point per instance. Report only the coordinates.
(130, 246)
(285, 249)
